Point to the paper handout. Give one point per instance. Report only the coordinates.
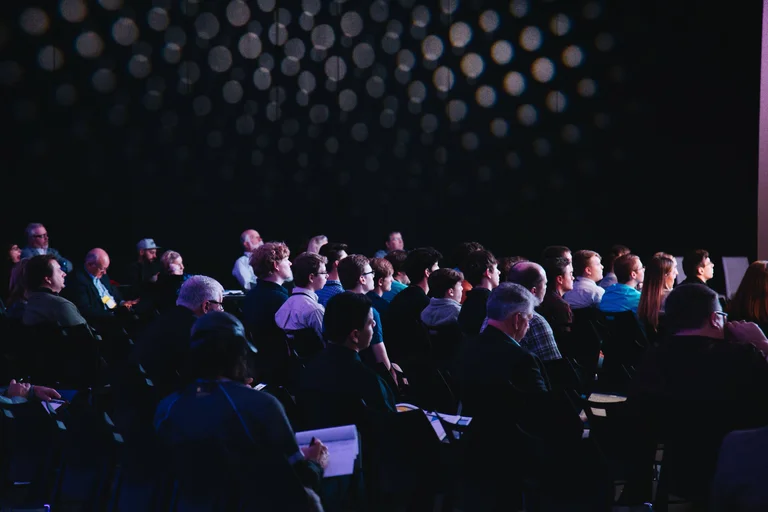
(343, 447)
(434, 420)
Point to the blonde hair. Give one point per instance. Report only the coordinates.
(168, 258)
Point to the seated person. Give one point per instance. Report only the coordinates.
(482, 272)
(624, 296)
(220, 411)
(588, 269)
(383, 276)
(37, 245)
(445, 289)
(302, 310)
(698, 267)
(163, 345)
(169, 281)
(334, 252)
(704, 364)
(553, 308)
(90, 288)
(250, 240)
(44, 280)
(336, 382)
(400, 279)
(142, 274)
(17, 295)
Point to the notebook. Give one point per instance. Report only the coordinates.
(343, 447)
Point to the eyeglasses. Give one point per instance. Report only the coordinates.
(722, 314)
(321, 273)
(43, 235)
(220, 304)
(371, 272)
(639, 269)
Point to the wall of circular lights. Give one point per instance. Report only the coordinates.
(436, 97)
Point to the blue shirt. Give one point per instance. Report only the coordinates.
(330, 289)
(620, 297)
(397, 287)
(379, 303)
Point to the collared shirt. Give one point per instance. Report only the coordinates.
(102, 291)
(301, 311)
(608, 279)
(243, 271)
(397, 287)
(585, 294)
(331, 288)
(620, 297)
(540, 339)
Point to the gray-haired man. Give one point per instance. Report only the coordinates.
(37, 245)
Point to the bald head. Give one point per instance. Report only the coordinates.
(97, 262)
(531, 276)
(251, 240)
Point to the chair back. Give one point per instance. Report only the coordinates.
(734, 268)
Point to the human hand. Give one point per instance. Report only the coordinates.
(128, 304)
(46, 394)
(153, 279)
(317, 452)
(17, 389)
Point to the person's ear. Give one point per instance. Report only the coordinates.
(380, 282)
(560, 279)
(355, 336)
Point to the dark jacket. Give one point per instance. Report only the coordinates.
(82, 292)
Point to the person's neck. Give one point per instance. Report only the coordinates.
(558, 290)
(358, 289)
(702, 279)
(402, 279)
(423, 285)
(49, 289)
(631, 283)
(484, 283)
(349, 345)
(448, 297)
(378, 291)
(273, 278)
(333, 276)
(502, 327)
(589, 278)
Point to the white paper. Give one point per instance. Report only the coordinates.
(343, 447)
(433, 418)
(54, 405)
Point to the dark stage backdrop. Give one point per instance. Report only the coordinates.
(518, 124)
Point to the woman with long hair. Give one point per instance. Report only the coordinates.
(750, 302)
(10, 259)
(660, 275)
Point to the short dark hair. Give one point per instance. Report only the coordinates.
(693, 260)
(442, 280)
(614, 254)
(623, 267)
(554, 251)
(555, 267)
(350, 270)
(344, 313)
(688, 306)
(332, 251)
(397, 259)
(476, 264)
(460, 253)
(37, 269)
(381, 268)
(525, 274)
(581, 261)
(305, 265)
(418, 261)
(506, 263)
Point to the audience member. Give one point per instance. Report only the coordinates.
(37, 245)
(553, 307)
(405, 309)
(556, 251)
(624, 296)
(356, 276)
(588, 269)
(250, 240)
(247, 426)
(143, 273)
(482, 271)
(657, 284)
(698, 267)
(400, 279)
(28, 391)
(334, 252)
(617, 251)
(506, 263)
(539, 338)
(739, 482)
(163, 346)
(335, 384)
(10, 260)
(445, 290)
(302, 311)
(169, 282)
(750, 302)
(704, 364)
(316, 242)
(394, 243)
(44, 280)
(90, 288)
(17, 296)
(383, 273)
(459, 259)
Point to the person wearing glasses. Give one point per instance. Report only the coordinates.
(37, 245)
(302, 311)
(624, 295)
(163, 346)
(707, 377)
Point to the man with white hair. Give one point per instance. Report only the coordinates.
(539, 338)
(37, 245)
(243, 272)
(163, 346)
